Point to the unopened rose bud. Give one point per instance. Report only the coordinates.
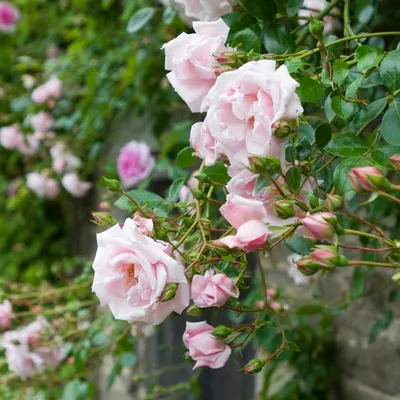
(198, 194)
(320, 226)
(254, 366)
(221, 332)
(225, 58)
(103, 219)
(284, 209)
(262, 165)
(316, 28)
(395, 160)
(113, 185)
(333, 202)
(307, 266)
(283, 129)
(326, 256)
(195, 311)
(369, 179)
(168, 293)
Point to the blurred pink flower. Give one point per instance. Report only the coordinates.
(11, 137)
(42, 121)
(42, 185)
(63, 159)
(134, 163)
(9, 16)
(51, 90)
(6, 314)
(74, 185)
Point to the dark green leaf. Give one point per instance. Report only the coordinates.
(310, 310)
(290, 153)
(352, 89)
(340, 71)
(381, 324)
(293, 179)
(391, 124)
(370, 112)
(342, 108)
(277, 39)
(261, 183)
(248, 40)
(237, 21)
(299, 245)
(329, 113)
(264, 10)
(323, 135)
(340, 175)
(292, 346)
(383, 152)
(185, 158)
(347, 145)
(217, 173)
(175, 189)
(310, 90)
(358, 284)
(140, 19)
(390, 71)
(368, 57)
(293, 6)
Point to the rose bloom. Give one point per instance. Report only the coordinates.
(9, 16)
(243, 106)
(63, 159)
(10, 137)
(212, 290)
(42, 121)
(191, 60)
(206, 10)
(203, 347)
(51, 90)
(74, 185)
(6, 314)
(134, 163)
(28, 350)
(131, 272)
(42, 185)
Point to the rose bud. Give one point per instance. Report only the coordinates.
(395, 160)
(316, 28)
(103, 218)
(194, 311)
(284, 209)
(113, 185)
(254, 366)
(333, 201)
(320, 226)
(307, 266)
(369, 179)
(328, 256)
(168, 293)
(221, 332)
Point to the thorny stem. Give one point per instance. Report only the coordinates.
(389, 196)
(372, 263)
(366, 234)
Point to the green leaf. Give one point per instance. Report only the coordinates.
(293, 6)
(391, 124)
(99, 339)
(347, 145)
(352, 89)
(381, 324)
(128, 360)
(294, 64)
(175, 189)
(72, 391)
(293, 179)
(311, 309)
(261, 183)
(248, 40)
(292, 346)
(323, 135)
(310, 90)
(370, 112)
(390, 71)
(264, 10)
(169, 15)
(340, 71)
(277, 39)
(217, 173)
(368, 57)
(341, 172)
(342, 108)
(383, 152)
(185, 157)
(299, 245)
(238, 21)
(358, 284)
(290, 153)
(140, 19)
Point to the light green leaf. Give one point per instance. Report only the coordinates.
(342, 108)
(368, 57)
(340, 71)
(175, 189)
(391, 124)
(140, 19)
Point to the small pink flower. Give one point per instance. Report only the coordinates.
(132, 270)
(366, 178)
(11, 137)
(29, 145)
(51, 90)
(63, 159)
(145, 225)
(42, 121)
(395, 160)
(9, 16)
(74, 185)
(190, 58)
(204, 348)
(206, 10)
(134, 163)
(318, 225)
(6, 314)
(326, 256)
(212, 290)
(42, 185)
(202, 141)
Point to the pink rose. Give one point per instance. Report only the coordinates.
(204, 348)
(11, 138)
(319, 225)
(190, 58)
(28, 350)
(29, 145)
(206, 10)
(51, 90)
(134, 163)
(205, 145)
(9, 16)
(131, 272)
(42, 185)
(145, 225)
(369, 179)
(42, 121)
(6, 314)
(74, 185)
(243, 106)
(212, 290)
(63, 159)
